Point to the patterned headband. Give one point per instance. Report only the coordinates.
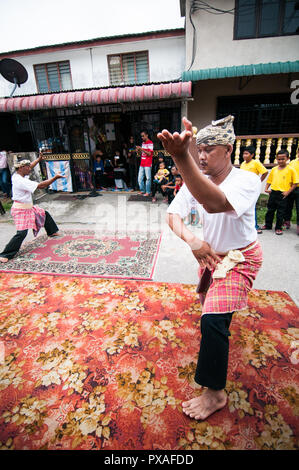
(219, 132)
(21, 163)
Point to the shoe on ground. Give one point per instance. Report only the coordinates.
(146, 194)
(154, 199)
(279, 232)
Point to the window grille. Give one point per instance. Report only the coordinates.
(266, 18)
(127, 69)
(53, 77)
(260, 114)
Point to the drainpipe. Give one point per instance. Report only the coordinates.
(91, 60)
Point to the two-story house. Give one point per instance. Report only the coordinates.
(243, 59)
(92, 94)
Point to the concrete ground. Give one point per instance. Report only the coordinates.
(113, 212)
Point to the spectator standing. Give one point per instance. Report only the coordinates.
(4, 174)
(145, 169)
(255, 166)
(293, 197)
(282, 181)
(132, 164)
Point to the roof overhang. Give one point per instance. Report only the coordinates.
(101, 96)
(250, 70)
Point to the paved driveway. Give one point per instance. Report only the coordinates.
(175, 263)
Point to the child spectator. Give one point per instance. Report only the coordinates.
(98, 168)
(169, 187)
(255, 166)
(162, 173)
(293, 197)
(160, 178)
(178, 184)
(282, 181)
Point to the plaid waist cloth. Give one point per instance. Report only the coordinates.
(29, 218)
(230, 294)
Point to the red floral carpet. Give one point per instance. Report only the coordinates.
(88, 253)
(105, 364)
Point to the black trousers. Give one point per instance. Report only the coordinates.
(133, 174)
(170, 195)
(158, 187)
(211, 370)
(292, 198)
(15, 243)
(276, 203)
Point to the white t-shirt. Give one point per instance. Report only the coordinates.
(22, 188)
(231, 230)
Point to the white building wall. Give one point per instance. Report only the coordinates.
(89, 66)
(216, 46)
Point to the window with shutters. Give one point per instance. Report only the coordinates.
(266, 18)
(127, 69)
(55, 76)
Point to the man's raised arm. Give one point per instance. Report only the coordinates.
(203, 190)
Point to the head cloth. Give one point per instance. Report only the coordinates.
(219, 132)
(21, 163)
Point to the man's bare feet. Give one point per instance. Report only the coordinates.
(57, 234)
(203, 406)
(3, 260)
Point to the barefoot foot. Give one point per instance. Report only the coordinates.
(203, 406)
(3, 260)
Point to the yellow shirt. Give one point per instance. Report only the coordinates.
(295, 165)
(255, 166)
(282, 180)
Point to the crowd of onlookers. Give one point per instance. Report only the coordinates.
(282, 185)
(133, 168)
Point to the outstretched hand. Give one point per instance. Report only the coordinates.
(59, 176)
(176, 144)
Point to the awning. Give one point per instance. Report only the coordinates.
(242, 71)
(101, 96)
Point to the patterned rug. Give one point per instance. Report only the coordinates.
(105, 364)
(89, 253)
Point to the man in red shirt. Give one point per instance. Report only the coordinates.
(145, 169)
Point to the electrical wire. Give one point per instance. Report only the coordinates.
(201, 5)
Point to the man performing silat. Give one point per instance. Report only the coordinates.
(229, 256)
(24, 213)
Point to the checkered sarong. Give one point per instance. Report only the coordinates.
(229, 294)
(29, 218)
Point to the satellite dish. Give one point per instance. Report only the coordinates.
(14, 72)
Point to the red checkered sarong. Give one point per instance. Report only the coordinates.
(230, 293)
(29, 218)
